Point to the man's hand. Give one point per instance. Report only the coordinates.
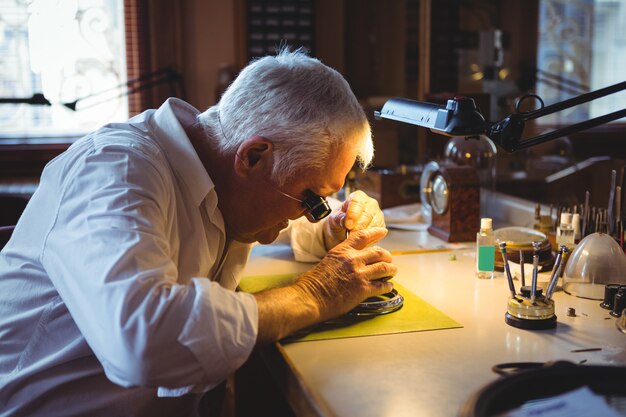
(349, 274)
(358, 212)
(346, 276)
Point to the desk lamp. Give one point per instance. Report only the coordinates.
(530, 309)
(461, 117)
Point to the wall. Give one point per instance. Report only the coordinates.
(195, 37)
(364, 42)
(210, 35)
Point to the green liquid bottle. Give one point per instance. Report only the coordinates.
(485, 250)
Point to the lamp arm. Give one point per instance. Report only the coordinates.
(508, 132)
(556, 81)
(574, 101)
(150, 79)
(36, 99)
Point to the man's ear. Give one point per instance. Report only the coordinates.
(254, 154)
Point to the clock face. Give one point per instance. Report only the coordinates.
(426, 185)
(439, 194)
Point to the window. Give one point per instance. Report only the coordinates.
(582, 47)
(72, 52)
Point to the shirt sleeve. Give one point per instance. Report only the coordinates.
(307, 239)
(110, 258)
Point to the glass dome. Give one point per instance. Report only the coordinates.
(596, 261)
(479, 153)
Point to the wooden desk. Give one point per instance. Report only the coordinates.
(429, 373)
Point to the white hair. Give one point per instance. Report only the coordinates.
(304, 107)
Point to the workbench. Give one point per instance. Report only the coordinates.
(429, 373)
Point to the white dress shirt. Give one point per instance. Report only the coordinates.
(117, 288)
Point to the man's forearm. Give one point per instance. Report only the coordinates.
(283, 311)
(347, 275)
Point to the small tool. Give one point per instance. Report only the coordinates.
(533, 284)
(585, 215)
(521, 267)
(590, 219)
(623, 199)
(559, 210)
(618, 212)
(509, 277)
(611, 205)
(556, 271)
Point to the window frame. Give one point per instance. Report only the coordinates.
(28, 156)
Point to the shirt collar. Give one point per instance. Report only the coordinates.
(178, 149)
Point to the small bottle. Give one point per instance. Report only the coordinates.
(485, 250)
(565, 231)
(576, 227)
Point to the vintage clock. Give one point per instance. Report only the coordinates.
(452, 192)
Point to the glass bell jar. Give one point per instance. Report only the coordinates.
(596, 261)
(478, 153)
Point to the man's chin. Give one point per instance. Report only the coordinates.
(266, 238)
(262, 238)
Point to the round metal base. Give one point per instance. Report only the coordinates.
(542, 324)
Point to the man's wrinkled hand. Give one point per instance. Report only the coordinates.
(359, 211)
(351, 272)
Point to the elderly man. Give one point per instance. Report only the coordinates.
(117, 290)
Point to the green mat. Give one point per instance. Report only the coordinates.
(416, 315)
